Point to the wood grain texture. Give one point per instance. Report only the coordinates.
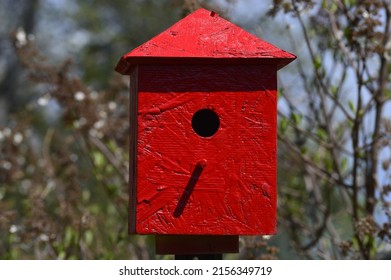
(235, 194)
(182, 183)
(201, 38)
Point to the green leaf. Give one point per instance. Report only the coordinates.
(351, 106)
(344, 164)
(88, 237)
(328, 164)
(281, 92)
(321, 133)
(61, 255)
(68, 237)
(317, 62)
(334, 90)
(350, 3)
(334, 7)
(296, 117)
(99, 159)
(283, 125)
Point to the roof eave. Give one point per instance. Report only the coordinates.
(126, 63)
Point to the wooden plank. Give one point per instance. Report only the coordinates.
(133, 150)
(191, 245)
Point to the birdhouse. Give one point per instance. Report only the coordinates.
(203, 112)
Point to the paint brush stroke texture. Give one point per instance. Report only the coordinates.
(236, 191)
(203, 62)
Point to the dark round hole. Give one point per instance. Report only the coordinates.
(205, 122)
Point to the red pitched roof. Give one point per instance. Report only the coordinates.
(201, 37)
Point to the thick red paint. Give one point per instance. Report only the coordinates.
(182, 183)
(235, 190)
(204, 37)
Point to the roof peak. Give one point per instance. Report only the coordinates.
(204, 35)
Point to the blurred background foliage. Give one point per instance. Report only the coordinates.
(64, 127)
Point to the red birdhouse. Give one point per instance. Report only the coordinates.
(203, 111)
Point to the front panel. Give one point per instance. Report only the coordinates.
(206, 150)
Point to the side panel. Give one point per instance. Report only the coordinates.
(224, 184)
(133, 150)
